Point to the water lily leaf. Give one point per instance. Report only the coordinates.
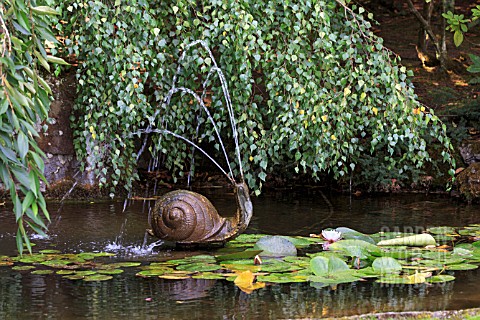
(278, 266)
(42, 271)
(348, 233)
(275, 246)
(56, 263)
(335, 278)
(476, 244)
(301, 242)
(440, 278)
(245, 282)
(126, 264)
(65, 272)
(209, 276)
(239, 255)
(419, 240)
(86, 256)
(398, 253)
(22, 268)
(153, 272)
(367, 272)
(283, 278)
(248, 238)
(97, 277)
(442, 230)
(385, 265)
(34, 258)
(322, 266)
(110, 271)
(198, 267)
(85, 273)
(73, 277)
(303, 262)
(49, 251)
(465, 266)
(242, 267)
(171, 276)
(355, 248)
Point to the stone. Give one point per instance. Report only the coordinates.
(468, 182)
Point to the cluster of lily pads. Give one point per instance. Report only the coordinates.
(336, 256)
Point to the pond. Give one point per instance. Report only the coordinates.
(105, 226)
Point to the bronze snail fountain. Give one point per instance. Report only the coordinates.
(187, 218)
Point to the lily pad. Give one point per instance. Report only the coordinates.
(209, 276)
(110, 271)
(442, 230)
(441, 278)
(275, 246)
(49, 251)
(153, 272)
(198, 267)
(386, 265)
(356, 248)
(322, 266)
(126, 264)
(174, 276)
(464, 266)
(348, 233)
(22, 268)
(283, 278)
(65, 272)
(98, 277)
(239, 255)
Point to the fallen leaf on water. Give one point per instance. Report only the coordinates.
(244, 282)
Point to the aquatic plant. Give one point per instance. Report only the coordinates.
(314, 88)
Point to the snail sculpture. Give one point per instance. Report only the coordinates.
(189, 219)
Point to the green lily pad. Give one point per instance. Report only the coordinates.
(42, 271)
(198, 267)
(440, 278)
(110, 271)
(85, 273)
(153, 272)
(355, 248)
(442, 230)
(34, 258)
(464, 266)
(242, 267)
(98, 277)
(283, 278)
(323, 266)
(174, 277)
(209, 276)
(386, 265)
(56, 263)
(49, 251)
(247, 254)
(302, 242)
(22, 268)
(335, 278)
(275, 246)
(65, 272)
(73, 277)
(348, 233)
(278, 267)
(126, 264)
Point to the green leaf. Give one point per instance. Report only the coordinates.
(23, 145)
(44, 10)
(458, 38)
(385, 265)
(56, 60)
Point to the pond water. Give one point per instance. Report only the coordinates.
(104, 226)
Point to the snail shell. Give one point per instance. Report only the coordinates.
(188, 217)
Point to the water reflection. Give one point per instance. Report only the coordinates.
(95, 226)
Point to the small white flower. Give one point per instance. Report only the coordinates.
(331, 235)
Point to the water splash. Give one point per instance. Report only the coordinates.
(214, 70)
(132, 250)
